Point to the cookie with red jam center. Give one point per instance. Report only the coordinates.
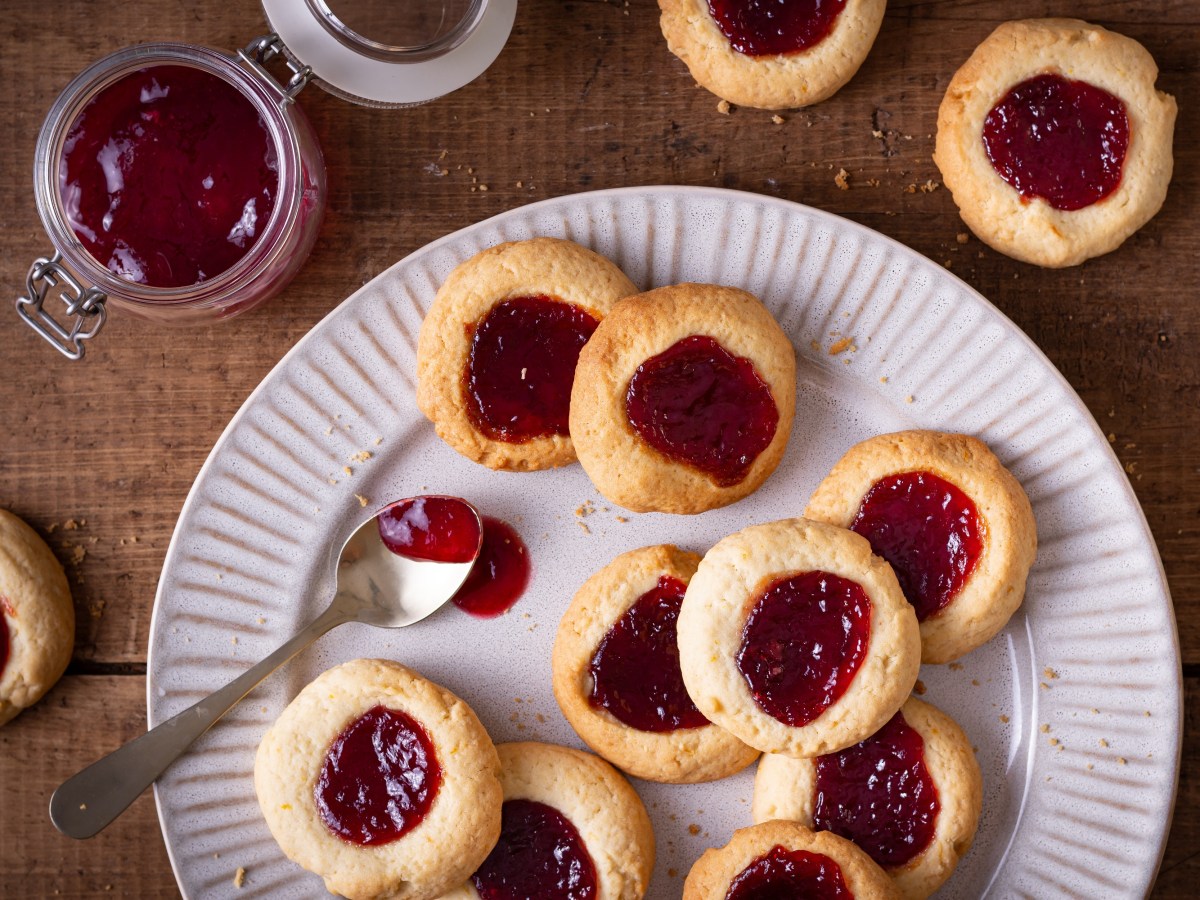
(953, 523)
(683, 399)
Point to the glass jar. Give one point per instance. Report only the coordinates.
(416, 62)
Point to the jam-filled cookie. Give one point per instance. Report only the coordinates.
(381, 782)
(683, 399)
(785, 859)
(909, 795)
(37, 617)
(954, 524)
(497, 350)
(617, 678)
(796, 638)
(1054, 142)
(772, 55)
(573, 830)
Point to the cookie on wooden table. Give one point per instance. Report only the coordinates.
(1054, 142)
(617, 678)
(381, 782)
(910, 796)
(497, 350)
(37, 617)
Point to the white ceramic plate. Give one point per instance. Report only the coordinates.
(1093, 654)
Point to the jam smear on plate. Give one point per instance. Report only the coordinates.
(379, 778)
(1061, 140)
(521, 366)
(500, 575)
(437, 529)
(168, 176)
(635, 669)
(783, 874)
(698, 404)
(929, 532)
(540, 854)
(879, 794)
(773, 27)
(802, 644)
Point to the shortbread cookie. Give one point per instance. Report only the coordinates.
(683, 399)
(910, 796)
(381, 782)
(785, 859)
(954, 524)
(772, 56)
(617, 678)
(497, 350)
(797, 639)
(1054, 142)
(37, 618)
(573, 827)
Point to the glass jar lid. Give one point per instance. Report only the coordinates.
(388, 53)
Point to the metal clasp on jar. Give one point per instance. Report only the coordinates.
(85, 306)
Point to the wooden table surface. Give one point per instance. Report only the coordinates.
(585, 96)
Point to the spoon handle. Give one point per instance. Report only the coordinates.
(87, 802)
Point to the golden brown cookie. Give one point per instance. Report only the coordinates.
(497, 350)
(617, 678)
(683, 399)
(381, 782)
(740, 58)
(568, 816)
(757, 855)
(796, 638)
(955, 525)
(37, 618)
(894, 769)
(1056, 64)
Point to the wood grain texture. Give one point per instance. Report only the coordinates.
(585, 96)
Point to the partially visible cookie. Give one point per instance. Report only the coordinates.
(617, 678)
(37, 617)
(785, 859)
(497, 350)
(772, 56)
(796, 638)
(683, 399)
(381, 782)
(954, 524)
(572, 827)
(910, 796)
(1054, 142)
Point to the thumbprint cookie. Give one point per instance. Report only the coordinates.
(573, 829)
(1054, 142)
(381, 782)
(771, 54)
(954, 524)
(497, 351)
(683, 399)
(37, 617)
(909, 795)
(796, 638)
(785, 859)
(617, 677)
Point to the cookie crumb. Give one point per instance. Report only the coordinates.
(362, 501)
(778, 119)
(908, 399)
(919, 688)
(1046, 729)
(962, 237)
(723, 107)
(361, 456)
(955, 667)
(929, 186)
(883, 379)
(842, 180)
(693, 829)
(1004, 719)
(583, 527)
(347, 470)
(239, 877)
(1121, 760)
(1049, 673)
(622, 519)
(841, 346)
(1103, 742)
(671, 873)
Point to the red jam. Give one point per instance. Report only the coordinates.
(772, 27)
(521, 366)
(1061, 140)
(168, 176)
(803, 643)
(790, 875)
(500, 575)
(438, 529)
(928, 530)
(699, 405)
(879, 794)
(540, 854)
(379, 778)
(635, 670)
